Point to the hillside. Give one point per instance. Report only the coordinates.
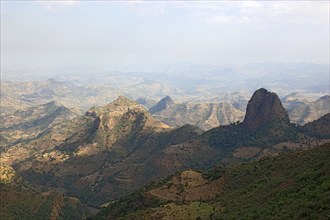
(20, 203)
(25, 125)
(109, 152)
(18, 96)
(319, 127)
(206, 108)
(228, 109)
(163, 104)
(265, 124)
(203, 115)
(117, 148)
(289, 186)
(310, 111)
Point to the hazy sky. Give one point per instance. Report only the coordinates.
(109, 34)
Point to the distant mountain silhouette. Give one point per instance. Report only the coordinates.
(162, 105)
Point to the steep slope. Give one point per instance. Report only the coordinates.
(294, 99)
(25, 125)
(319, 127)
(107, 153)
(163, 104)
(114, 149)
(203, 115)
(265, 124)
(20, 203)
(310, 111)
(264, 108)
(289, 186)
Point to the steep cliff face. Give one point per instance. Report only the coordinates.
(264, 108)
(117, 148)
(308, 112)
(203, 115)
(122, 118)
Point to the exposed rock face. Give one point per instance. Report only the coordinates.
(115, 141)
(117, 148)
(110, 114)
(203, 115)
(308, 112)
(162, 105)
(263, 108)
(123, 117)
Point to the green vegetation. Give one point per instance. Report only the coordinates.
(231, 136)
(190, 210)
(22, 203)
(115, 149)
(295, 185)
(129, 204)
(291, 186)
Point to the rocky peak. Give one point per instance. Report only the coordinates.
(162, 105)
(120, 105)
(263, 108)
(110, 114)
(119, 111)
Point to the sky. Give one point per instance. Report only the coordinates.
(112, 35)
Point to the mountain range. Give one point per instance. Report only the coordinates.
(203, 115)
(27, 124)
(208, 115)
(117, 148)
(203, 111)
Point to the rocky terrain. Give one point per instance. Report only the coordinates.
(21, 95)
(202, 115)
(264, 108)
(205, 111)
(208, 115)
(32, 122)
(292, 185)
(21, 203)
(310, 111)
(114, 149)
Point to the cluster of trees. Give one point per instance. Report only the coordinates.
(231, 136)
(294, 185)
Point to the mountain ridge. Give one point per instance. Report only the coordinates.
(114, 149)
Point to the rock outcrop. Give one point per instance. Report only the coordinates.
(308, 112)
(202, 115)
(264, 108)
